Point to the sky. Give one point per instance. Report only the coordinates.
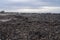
(52, 6)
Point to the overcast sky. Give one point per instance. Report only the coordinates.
(30, 5)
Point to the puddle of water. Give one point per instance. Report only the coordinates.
(5, 20)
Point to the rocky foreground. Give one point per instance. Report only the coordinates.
(30, 27)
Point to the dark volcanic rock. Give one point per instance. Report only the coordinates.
(33, 27)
